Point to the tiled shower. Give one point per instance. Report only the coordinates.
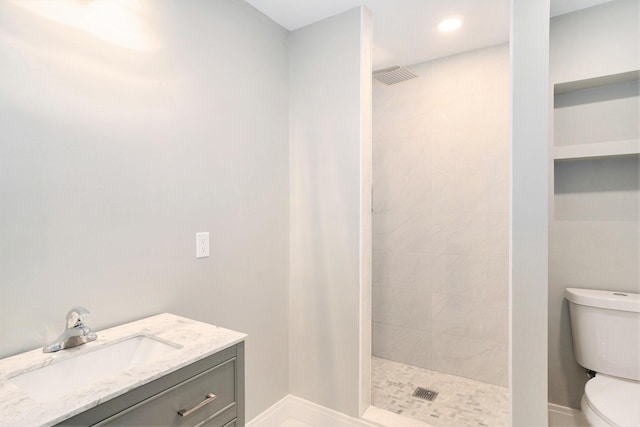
(441, 216)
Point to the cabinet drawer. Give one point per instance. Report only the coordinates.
(221, 420)
(162, 409)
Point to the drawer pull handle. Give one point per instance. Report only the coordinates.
(186, 412)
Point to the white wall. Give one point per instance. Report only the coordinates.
(326, 216)
(111, 159)
(441, 216)
(594, 233)
(529, 42)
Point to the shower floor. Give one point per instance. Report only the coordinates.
(461, 402)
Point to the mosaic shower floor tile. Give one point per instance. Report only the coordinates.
(461, 402)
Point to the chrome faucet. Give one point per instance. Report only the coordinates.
(76, 332)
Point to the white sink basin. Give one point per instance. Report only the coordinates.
(54, 381)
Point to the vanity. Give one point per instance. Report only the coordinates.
(162, 370)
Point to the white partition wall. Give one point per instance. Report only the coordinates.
(328, 261)
(529, 40)
(366, 182)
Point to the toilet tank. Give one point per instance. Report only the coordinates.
(606, 331)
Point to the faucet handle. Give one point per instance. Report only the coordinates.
(76, 317)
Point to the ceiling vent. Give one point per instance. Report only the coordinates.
(393, 75)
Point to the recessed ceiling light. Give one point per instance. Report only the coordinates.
(450, 24)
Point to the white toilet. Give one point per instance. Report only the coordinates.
(606, 339)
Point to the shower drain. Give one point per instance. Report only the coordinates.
(423, 393)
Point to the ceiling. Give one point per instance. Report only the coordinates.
(405, 30)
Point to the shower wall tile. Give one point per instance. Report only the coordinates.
(404, 157)
(498, 237)
(441, 212)
(401, 193)
(386, 119)
(485, 278)
(404, 307)
(495, 287)
(481, 360)
(456, 274)
(462, 315)
(470, 234)
(409, 345)
(402, 232)
(400, 269)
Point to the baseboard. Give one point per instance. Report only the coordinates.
(320, 416)
(274, 416)
(292, 407)
(561, 416)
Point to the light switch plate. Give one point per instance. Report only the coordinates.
(202, 245)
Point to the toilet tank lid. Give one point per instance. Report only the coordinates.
(613, 300)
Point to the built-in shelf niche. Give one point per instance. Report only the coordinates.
(597, 117)
(597, 189)
(595, 151)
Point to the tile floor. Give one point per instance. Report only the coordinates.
(461, 402)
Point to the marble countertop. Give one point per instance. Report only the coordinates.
(195, 339)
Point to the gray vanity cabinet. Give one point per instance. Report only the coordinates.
(208, 393)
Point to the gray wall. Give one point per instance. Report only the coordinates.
(111, 159)
(441, 216)
(594, 234)
(327, 63)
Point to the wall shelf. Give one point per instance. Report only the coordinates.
(599, 149)
(597, 117)
(560, 88)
